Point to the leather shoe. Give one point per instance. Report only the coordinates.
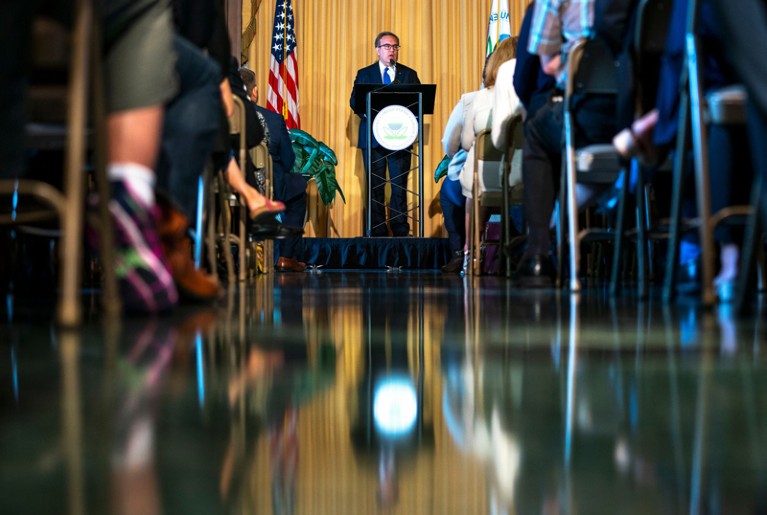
(455, 264)
(273, 231)
(287, 264)
(535, 272)
(192, 283)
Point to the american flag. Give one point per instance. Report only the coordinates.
(282, 96)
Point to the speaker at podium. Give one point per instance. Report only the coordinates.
(392, 119)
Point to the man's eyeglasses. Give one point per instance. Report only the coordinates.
(387, 46)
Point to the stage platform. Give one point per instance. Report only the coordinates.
(376, 253)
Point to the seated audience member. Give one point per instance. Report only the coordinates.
(190, 128)
(203, 23)
(454, 210)
(531, 84)
(651, 137)
(478, 115)
(743, 25)
(451, 195)
(464, 123)
(556, 27)
(506, 103)
(138, 62)
(289, 187)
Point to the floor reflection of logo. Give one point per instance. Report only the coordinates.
(395, 406)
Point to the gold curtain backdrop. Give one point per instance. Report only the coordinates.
(443, 40)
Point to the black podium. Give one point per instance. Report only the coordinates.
(369, 101)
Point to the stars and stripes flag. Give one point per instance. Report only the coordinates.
(498, 26)
(282, 95)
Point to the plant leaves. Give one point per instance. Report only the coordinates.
(316, 159)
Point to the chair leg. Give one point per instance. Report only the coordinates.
(506, 217)
(242, 241)
(702, 185)
(641, 243)
(226, 227)
(675, 229)
(620, 230)
(111, 301)
(198, 223)
(476, 255)
(210, 237)
(561, 249)
(648, 224)
(69, 309)
(752, 241)
(572, 215)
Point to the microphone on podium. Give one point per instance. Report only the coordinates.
(392, 63)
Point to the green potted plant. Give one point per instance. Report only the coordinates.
(317, 161)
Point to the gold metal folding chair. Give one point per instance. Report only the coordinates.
(68, 204)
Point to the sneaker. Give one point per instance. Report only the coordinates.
(145, 280)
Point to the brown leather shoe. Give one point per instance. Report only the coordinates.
(286, 264)
(192, 283)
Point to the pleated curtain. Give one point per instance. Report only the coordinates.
(443, 40)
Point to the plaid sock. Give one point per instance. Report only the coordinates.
(146, 284)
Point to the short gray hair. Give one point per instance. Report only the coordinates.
(248, 78)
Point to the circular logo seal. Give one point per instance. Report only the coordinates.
(395, 127)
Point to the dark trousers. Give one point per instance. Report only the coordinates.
(757, 134)
(454, 210)
(190, 127)
(594, 118)
(293, 216)
(743, 26)
(399, 166)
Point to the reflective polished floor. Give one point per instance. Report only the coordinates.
(400, 393)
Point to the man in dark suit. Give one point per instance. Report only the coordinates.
(386, 71)
(289, 187)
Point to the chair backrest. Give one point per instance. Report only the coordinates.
(237, 126)
(487, 162)
(261, 159)
(259, 155)
(653, 18)
(650, 34)
(593, 68)
(237, 123)
(484, 149)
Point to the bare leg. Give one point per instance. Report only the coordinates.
(134, 136)
(255, 201)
